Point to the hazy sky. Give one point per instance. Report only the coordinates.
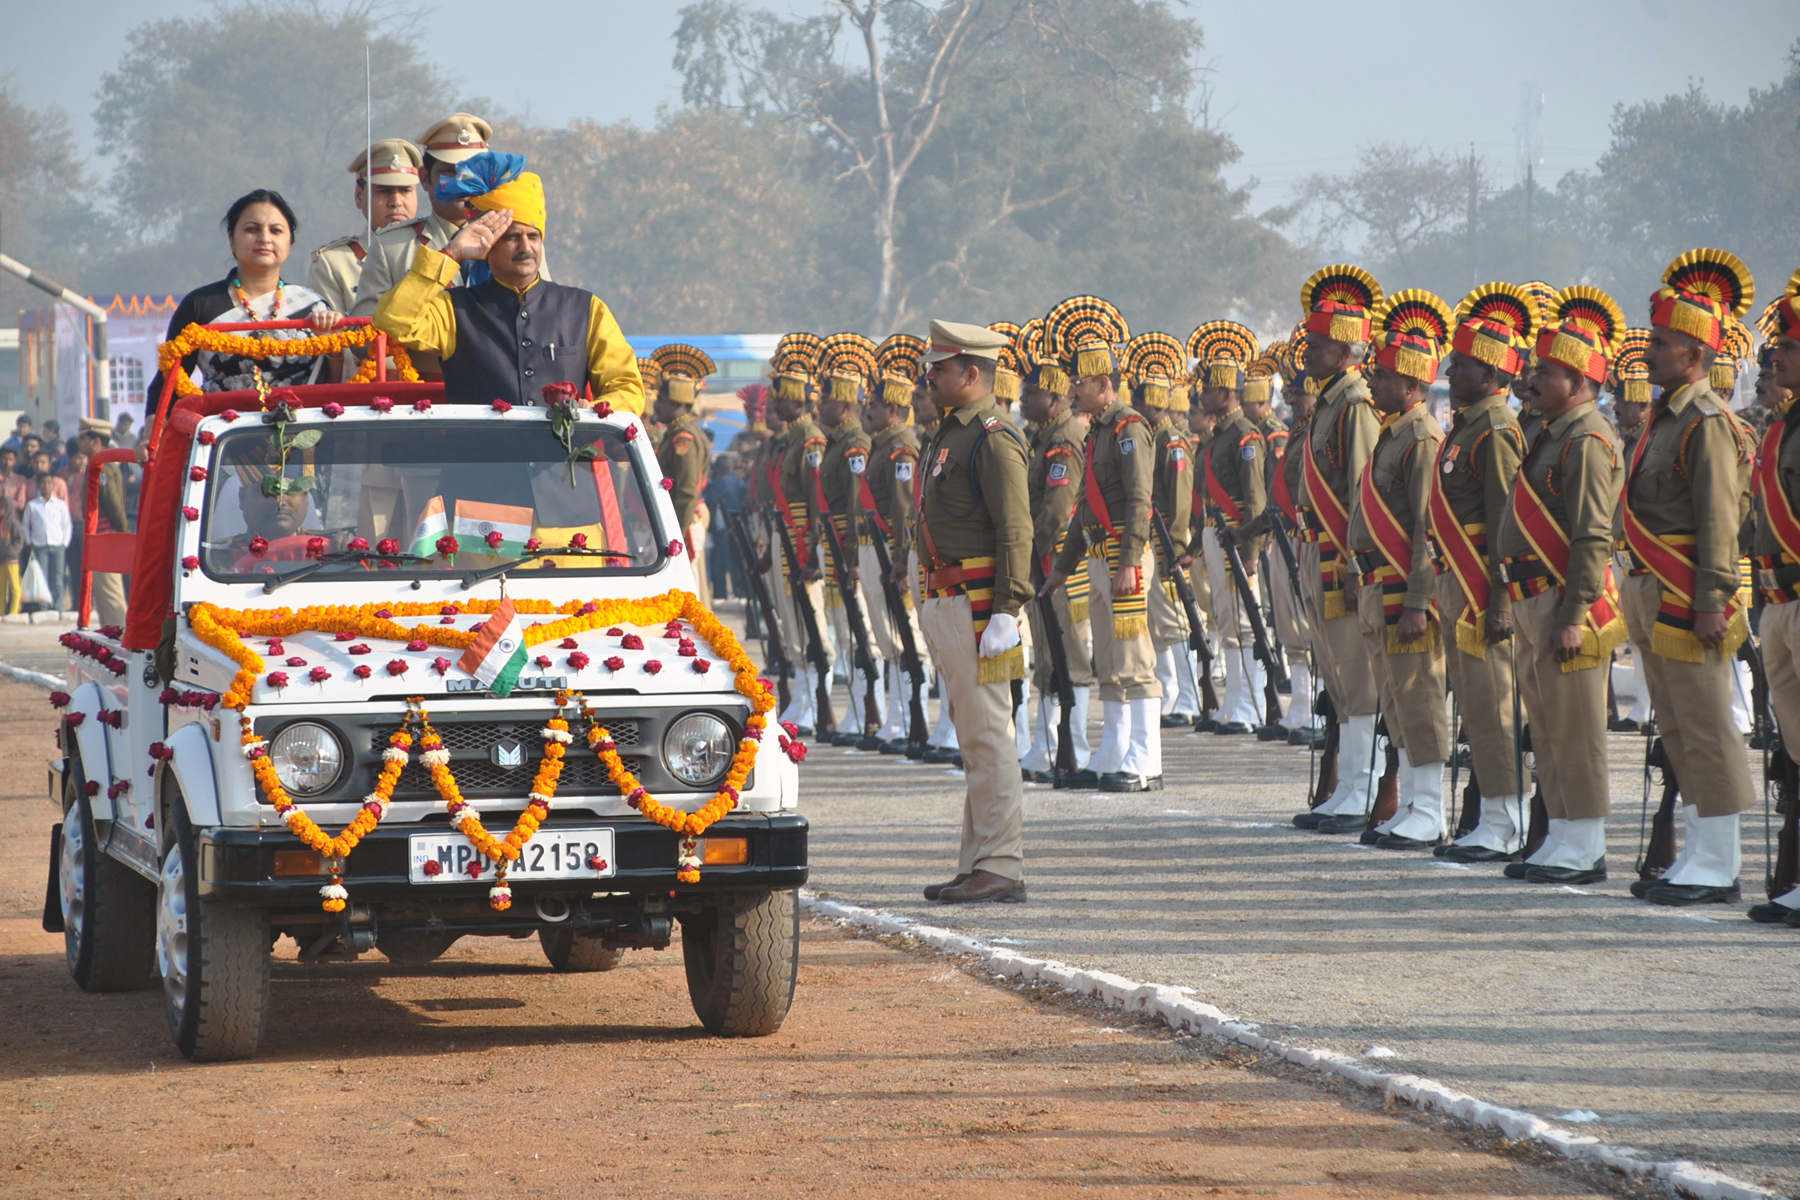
(1299, 84)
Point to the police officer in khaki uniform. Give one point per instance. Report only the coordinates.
(1156, 369)
(796, 487)
(1111, 526)
(1055, 484)
(1631, 411)
(1398, 584)
(681, 371)
(760, 511)
(1233, 480)
(1555, 547)
(1338, 302)
(1472, 487)
(974, 537)
(1777, 547)
(888, 492)
(386, 194)
(846, 365)
(1293, 620)
(1688, 480)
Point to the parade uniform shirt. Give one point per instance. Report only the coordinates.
(682, 457)
(1235, 462)
(1172, 484)
(1399, 469)
(1054, 483)
(1476, 467)
(841, 472)
(798, 477)
(506, 351)
(1121, 472)
(975, 503)
(336, 268)
(1575, 467)
(892, 479)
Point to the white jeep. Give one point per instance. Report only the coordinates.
(172, 862)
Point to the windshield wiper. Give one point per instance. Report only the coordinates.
(337, 556)
(472, 578)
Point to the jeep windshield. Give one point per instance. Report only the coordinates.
(386, 496)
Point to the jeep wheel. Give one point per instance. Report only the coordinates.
(214, 960)
(571, 951)
(413, 947)
(742, 955)
(108, 910)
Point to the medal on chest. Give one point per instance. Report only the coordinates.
(937, 468)
(1450, 454)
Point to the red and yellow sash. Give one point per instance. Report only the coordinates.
(1333, 525)
(1778, 509)
(1216, 493)
(1465, 549)
(1605, 626)
(1671, 560)
(1396, 545)
(1283, 494)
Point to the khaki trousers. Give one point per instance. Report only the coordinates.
(1781, 660)
(1412, 686)
(109, 597)
(1292, 625)
(1567, 713)
(1168, 620)
(1338, 646)
(1484, 697)
(1693, 711)
(994, 805)
(1126, 669)
(1075, 639)
(1230, 621)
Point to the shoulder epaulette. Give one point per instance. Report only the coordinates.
(990, 421)
(349, 239)
(1131, 416)
(1252, 436)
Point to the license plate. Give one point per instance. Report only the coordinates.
(552, 854)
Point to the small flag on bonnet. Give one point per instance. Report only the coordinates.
(498, 654)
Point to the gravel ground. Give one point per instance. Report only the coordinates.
(1675, 1028)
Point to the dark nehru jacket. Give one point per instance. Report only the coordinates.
(512, 346)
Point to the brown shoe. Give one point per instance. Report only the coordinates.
(981, 887)
(932, 890)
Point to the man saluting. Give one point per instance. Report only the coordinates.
(511, 332)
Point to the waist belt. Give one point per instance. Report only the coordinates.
(1368, 561)
(947, 580)
(1522, 567)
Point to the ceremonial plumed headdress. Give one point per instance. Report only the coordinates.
(1735, 344)
(682, 371)
(1006, 372)
(1222, 350)
(648, 371)
(1544, 296)
(1494, 324)
(1259, 376)
(1087, 335)
(1038, 367)
(756, 402)
(1157, 368)
(1630, 369)
(1700, 289)
(793, 364)
(1293, 362)
(1412, 331)
(847, 365)
(900, 358)
(1584, 333)
(1784, 320)
(1339, 301)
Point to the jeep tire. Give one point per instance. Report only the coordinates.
(108, 910)
(214, 959)
(742, 954)
(571, 951)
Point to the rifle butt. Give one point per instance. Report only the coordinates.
(1469, 815)
(1785, 875)
(1387, 792)
(1539, 828)
(1659, 852)
(1328, 767)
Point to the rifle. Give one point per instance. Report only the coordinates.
(1387, 789)
(824, 720)
(1539, 826)
(779, 661)
(1657, 854)
(1209, 699)
(1059, 683)
(910, 661)
(1784, 871)
(1274, 674)
(1759, 694)
(862, 657)
(1328, 755)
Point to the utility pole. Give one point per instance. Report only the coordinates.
(1529, 140)
(1474, 272)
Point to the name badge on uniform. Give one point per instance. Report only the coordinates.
(857, 462)
(1127, 445)
(937, 468)
(814, 458)
(1059, 475)
(903, 472)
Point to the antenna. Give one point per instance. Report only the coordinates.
(368, 150)
(1528, 134)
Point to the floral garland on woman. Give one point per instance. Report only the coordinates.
(198, 337)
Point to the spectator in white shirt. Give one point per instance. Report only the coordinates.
(48, 528)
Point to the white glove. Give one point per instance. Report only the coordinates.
(1001, 635)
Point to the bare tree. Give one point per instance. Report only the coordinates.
(1399, 198)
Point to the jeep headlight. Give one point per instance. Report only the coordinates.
(308, 758)
(698, 749)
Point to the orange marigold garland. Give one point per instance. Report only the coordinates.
(198, 337)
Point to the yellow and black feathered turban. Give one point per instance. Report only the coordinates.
(1630, 369)
(1156, 364)
(1734, 350)
(1007, 369)
(793, 366)
(847, 365)
(1339, 302)
(1584, 332)
(1700, 290)
(647, 370)
(1494, 325)
(1038, 367)
(681, 371)
(1223, 351)
(1087, 335)
(899, 360)
(1259, 376)
(1411, 333)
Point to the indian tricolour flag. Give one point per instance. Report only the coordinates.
(475, 520)
(498, 654)
(433, 524)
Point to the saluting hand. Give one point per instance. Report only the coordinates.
(475, 239)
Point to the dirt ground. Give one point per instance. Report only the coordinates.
(897, 1074)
